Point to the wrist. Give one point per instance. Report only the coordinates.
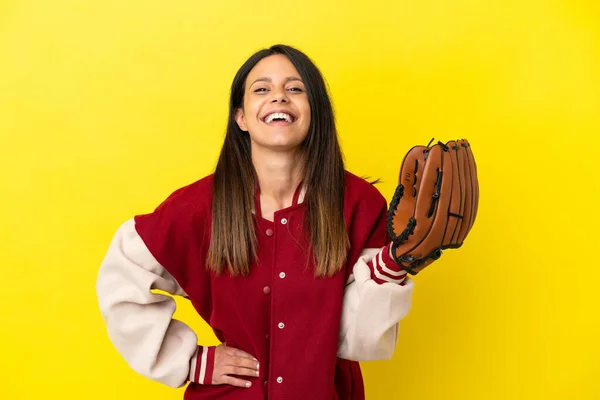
(202, 365)
(385, 269)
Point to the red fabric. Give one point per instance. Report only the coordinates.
(348, 380)
(302, 351)
(389, 263)
(198, 363)
(210, 365)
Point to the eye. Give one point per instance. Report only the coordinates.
(260, 89)
(296, 89)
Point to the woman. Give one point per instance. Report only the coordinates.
(283, 252)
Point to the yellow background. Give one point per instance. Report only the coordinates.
(108, 106)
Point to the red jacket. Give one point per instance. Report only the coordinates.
(307, 333)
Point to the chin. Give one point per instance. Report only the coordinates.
(279, 143)
(283, 146)
(278, 146)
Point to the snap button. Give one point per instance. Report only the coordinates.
(281, 325)
(266, 290)
(269, 232)
(279, 379)
(284, 221)
(282, 275)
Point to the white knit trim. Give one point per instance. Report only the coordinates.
(193, 363)
(386, 269)
(203, 364)
(386, 278)
(302, 194)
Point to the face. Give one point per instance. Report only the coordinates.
(276, 112)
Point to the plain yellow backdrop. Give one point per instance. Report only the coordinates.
(108, 106)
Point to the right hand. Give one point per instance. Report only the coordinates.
(232, 361)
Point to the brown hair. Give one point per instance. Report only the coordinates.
(233, 242)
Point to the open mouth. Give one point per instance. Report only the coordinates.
(279, 118)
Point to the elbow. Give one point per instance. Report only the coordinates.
(367, 353)
(369, 348)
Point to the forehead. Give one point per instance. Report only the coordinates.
(276, 66)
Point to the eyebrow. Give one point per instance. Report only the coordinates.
(267, 79)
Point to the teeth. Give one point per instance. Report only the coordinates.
(271, 117)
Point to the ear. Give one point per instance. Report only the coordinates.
(241, 119)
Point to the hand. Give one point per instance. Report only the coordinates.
(232, 361)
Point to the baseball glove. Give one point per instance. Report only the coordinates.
(435, 203)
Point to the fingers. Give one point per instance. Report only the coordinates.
(242, 362)
(238, 365)
(230, 380)
(231, 351)
(233, 370)
(232, 361)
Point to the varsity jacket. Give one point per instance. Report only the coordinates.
(309, 334)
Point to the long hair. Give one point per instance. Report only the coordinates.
(233, 241)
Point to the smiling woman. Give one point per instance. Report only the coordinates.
(280, 80)
(275, 101)
(281, 250)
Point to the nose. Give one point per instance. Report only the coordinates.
(279, 95)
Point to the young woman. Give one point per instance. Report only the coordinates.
(282, 251)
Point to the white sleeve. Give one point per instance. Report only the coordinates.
(139, 322)
(371, 313)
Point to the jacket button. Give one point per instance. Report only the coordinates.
(268, 337)
(279, 379)
(284, 221)
(265, 383)
(281, 325)
(266, 290)
(282, 275)
(269, 232)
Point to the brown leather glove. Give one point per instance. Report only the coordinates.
(435, 204)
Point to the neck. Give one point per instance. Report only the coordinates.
(279, 174)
